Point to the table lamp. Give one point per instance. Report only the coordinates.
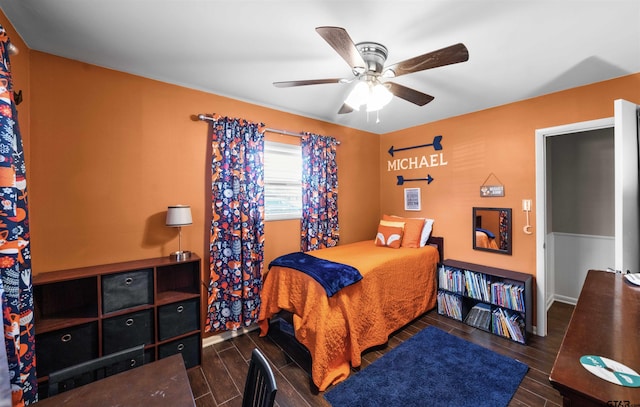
(179, 216)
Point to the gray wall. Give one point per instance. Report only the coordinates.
(581, 191)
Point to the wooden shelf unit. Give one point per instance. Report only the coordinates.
(467, 292)
(88, 312)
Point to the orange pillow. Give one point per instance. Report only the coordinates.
(392, 223)
(389, 236)
(412, 229)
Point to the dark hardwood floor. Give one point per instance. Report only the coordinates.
(220, 379)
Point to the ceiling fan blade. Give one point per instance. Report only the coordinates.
(289, 84)
(345, 109)
(445, 56)
(408, 94)
(340, 41)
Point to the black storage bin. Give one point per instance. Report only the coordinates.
(126, 290)
(127, 331)
(178, 318)
(66, 347)
(189, 347)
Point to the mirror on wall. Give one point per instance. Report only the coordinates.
(492, 230)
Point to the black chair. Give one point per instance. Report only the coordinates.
(260, 387)
(95, 369)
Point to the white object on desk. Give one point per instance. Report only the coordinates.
(633, 278)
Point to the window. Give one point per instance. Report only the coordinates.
(282, 181)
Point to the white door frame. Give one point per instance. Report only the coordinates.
(544, 273)
(627, 259)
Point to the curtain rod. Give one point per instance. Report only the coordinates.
(204, 117)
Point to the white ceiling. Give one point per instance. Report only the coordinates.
(518, 49)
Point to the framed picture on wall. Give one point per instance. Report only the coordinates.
(412, 199)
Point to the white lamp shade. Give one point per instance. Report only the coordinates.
(358, 96)
(179, 215)
(379, 98)
(373, 94)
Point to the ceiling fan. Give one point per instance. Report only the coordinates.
(367, 59)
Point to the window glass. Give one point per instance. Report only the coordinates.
(282, 181)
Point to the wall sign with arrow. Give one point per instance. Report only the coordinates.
(436, 146)
(402, 180)
(417, 162)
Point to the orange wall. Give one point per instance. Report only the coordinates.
(501, 141)
(107, 152)
(110, 151)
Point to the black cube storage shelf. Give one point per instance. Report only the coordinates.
(89, 312)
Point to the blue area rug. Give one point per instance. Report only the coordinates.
(433, 368)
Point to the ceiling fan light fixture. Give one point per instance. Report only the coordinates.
(359, 70)
(359, 95)
(379, 97)
(373, 95)
(389, 73)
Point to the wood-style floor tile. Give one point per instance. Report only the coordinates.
(219, 381)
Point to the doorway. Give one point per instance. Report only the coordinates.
(568, 201)
(626, 258)
(580, 209)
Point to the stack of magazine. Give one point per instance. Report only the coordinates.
(479, 316)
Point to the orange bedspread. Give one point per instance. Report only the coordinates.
(482, 240)
(398, 285)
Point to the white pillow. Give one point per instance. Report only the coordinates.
(426, 232)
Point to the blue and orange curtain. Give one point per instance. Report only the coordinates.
(236, 242)
(16, 290)
(319, 223)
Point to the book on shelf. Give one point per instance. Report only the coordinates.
(450, 305)
(508, 295)
(508, 323)
(451, 279)
(477, 285)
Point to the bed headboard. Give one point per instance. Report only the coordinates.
(437, 241)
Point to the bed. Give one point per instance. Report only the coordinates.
(486, 240)
(397, 286)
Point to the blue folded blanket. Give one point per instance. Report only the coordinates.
(331, 275)
(486, 232)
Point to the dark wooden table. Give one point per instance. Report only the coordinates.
(161, 383)
(605, 322)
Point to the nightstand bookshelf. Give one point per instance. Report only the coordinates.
(491, 299)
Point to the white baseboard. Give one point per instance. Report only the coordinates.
(550, 300)
(566, 300)
(221, 337)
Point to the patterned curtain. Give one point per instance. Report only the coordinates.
(503, 227)
(237, 224)
(15, 257)
(319, 223)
